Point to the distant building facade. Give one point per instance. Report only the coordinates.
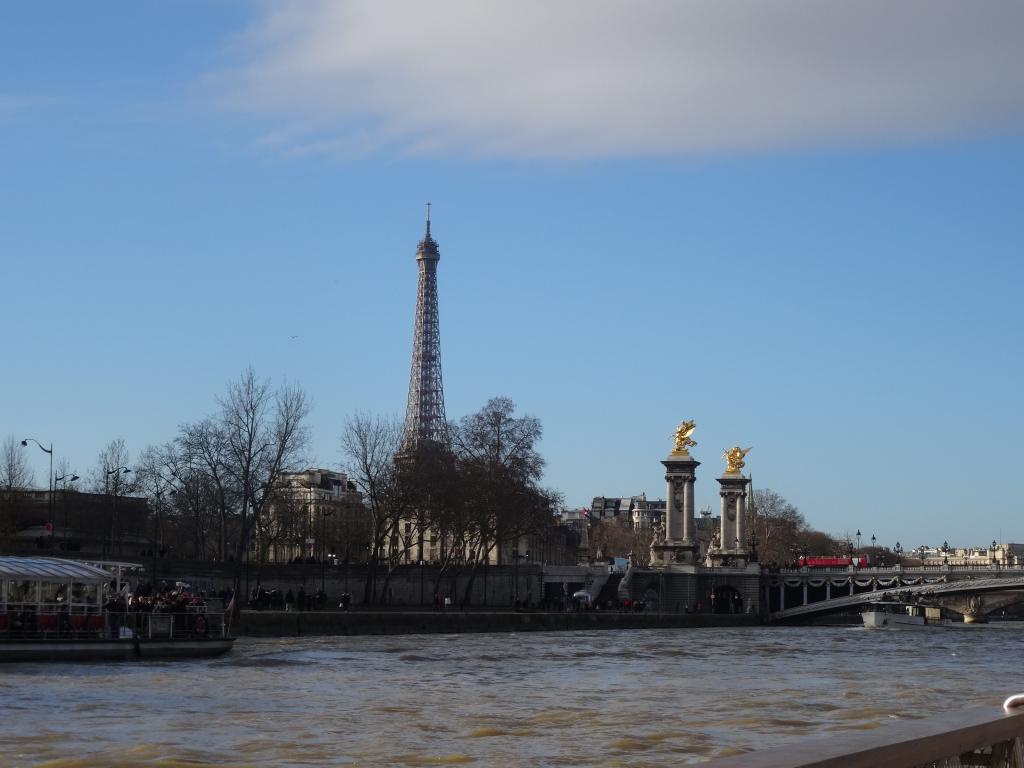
(314, 515)
(995, 554)
(642, 514)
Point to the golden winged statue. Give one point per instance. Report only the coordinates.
(682, 438)
(734, 459)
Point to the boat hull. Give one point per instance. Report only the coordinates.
(112, 650)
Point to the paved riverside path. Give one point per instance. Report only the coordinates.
(392, 622)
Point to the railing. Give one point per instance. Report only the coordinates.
(112, 625)
(940, 568)
(977, 737)
(191, 625)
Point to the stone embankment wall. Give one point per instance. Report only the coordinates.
(325, 623)
(410, 586)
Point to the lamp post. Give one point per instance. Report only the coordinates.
(49, 477)
(157, 526)
(116, 472)
(899, 553)
(515, 574)
(858, 541)
(67, 479)
(324, 513)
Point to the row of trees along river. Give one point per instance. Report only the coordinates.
(215, 491)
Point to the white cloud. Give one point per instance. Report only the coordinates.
(12, 104)
(626, 77)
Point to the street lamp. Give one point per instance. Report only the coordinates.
(49, 477)
(324, 514)
(117, 472)
(858, 541)
(67, 479)
(157, 526)
(899, 553)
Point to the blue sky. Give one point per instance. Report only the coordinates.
(813, 248)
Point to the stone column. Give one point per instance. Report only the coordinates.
(741, 508)
(733, 532)
(688, 522)
(680, 543)
(673, 509)
(724, 529)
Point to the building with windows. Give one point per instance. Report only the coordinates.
(316, 514)
(641, 513)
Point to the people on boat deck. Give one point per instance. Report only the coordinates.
(163, 599)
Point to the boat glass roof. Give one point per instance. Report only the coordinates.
(50, 568)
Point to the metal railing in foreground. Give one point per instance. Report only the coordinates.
(986, 736)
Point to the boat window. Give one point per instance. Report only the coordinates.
(21, 591)
(84, 593)
(52, 592)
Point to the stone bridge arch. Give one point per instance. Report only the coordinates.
(976, 607)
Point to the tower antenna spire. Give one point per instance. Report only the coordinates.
(425, 421)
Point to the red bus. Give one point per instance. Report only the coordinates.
(861, 561)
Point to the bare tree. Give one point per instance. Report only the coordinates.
(202, 468)
(15, 474)
(501, 470)
(777, 526)
(113, 477)
(14, 469)
(369, 444)
(500, 463)
(782, 532)
(154, 476)
(265, 432)
(616, 537)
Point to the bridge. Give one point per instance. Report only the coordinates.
(972, 592)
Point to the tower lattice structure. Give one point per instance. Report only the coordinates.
(425, 422)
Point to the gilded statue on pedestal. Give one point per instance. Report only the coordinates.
(734, 459)
(682, 438)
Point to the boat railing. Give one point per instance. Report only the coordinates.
(155, 625)
(989, 736)
(28, 623)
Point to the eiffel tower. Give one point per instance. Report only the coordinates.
(425, 422)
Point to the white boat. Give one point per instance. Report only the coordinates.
(902, 616)
(55, 610)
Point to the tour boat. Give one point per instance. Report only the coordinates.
(66, 610)
(901, 616)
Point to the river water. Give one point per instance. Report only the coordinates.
(613, 698)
